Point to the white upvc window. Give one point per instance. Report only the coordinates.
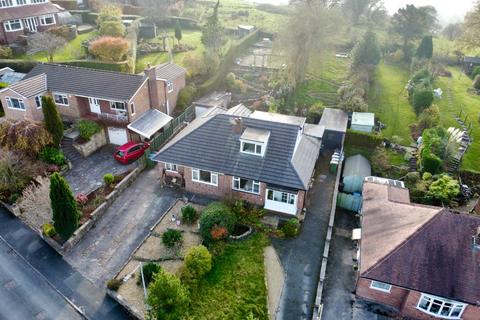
(132, 108)
(380, 286)
(47, 19)
(38, 1)
(13, 25)
(252, 148)
(281, 196)
(204, 176)
(6, 3)
(21, 2)
(61, 98)
(246, 185)
(171, 167)
(119, 106)
(440, 307)
(38, 102)
(14, 103)
(169, 86)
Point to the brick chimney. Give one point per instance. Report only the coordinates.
(237, 125)
(150, 72)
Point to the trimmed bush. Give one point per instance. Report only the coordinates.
(114, 284)
(189, 214)
(109, 179)
(149, 269)
(185, 98)
(171, 237)
(112, 29)
(52, 155)
(64, 206)
(216, 222)
(422, 99)
(88, 128)
(49, 230)
(110, 48)
(290, 228)
(431, 163)
(363, 139)
(198, 262)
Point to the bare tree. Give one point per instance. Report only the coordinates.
(46, 42)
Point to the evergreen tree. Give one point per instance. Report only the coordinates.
(52, 119)
(212, 34)
(64, 207)
(178, 31)
(366, 51)
(425, 49)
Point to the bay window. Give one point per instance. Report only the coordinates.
(14, 103)
(204, 176)
(13, 25)
(440, 307)
(246, 185)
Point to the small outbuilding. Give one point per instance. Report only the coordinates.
(469, 63)
(355, 170)
(335, 122)
(363, 121)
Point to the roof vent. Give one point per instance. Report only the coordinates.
(476, 240)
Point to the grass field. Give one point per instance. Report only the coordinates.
(461, 100)
(388, 100)
(235, 288)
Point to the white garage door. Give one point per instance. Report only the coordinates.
(117, 135)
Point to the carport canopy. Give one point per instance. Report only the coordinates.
(149, 123)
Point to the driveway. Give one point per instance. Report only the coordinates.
(301, 257)
(108, 245)
(87, 173)
(25, 294)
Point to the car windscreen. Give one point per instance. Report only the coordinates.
(120, 153)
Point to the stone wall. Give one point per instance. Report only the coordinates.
(97, 141)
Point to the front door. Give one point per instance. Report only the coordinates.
(94, 105)
(31, 24)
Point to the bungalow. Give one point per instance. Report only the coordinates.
(117, 100)
(420, 260)
(265, 158)
(20, 17)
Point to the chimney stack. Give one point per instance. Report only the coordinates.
(237, 125)
(151, 74)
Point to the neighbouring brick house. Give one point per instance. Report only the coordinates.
(265, 158)
(120, 101)
(21, 17)
(421, 260)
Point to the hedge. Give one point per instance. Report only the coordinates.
(132, 37)
(18, 65)
(215, 81)
(121, 66)
(67, 4)
(363, 139)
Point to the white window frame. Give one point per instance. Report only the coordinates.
(132, 108)
(38, 101)
(289, 196)
(169, 86)
(6, 3)
(8, 25)
(213, 177)
(37, 1)
(43, 20)
(21, 2)
(113, 106)
(63, 97)
(10, 103)
(380, 286)
(429, 298)
(172, 167)
(236, 185)
(256, 144)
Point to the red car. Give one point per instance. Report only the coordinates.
(130, 151)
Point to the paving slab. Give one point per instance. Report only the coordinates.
(275, 280)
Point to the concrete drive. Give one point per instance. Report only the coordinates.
(87, 173)
(94, 301)
(301, 257)
(108, 245)
(25, 294)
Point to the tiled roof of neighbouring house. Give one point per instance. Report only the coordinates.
(33, 10)
(31, 87)
(169, 71)
(211, 143)
(88, 82)
(427, 249)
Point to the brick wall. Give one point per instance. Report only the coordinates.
(141, 102)
(178, 84)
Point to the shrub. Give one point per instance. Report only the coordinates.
(431, 163)
(5, 52)
(25, 136)
(171, 237)
(198, 262)
(444, 189)
(216, 217)
(88, 128)
(315, 113)
(230, 81)
(49, 230)
(52, 155)
(167, 297)
(81, 199)
(53, 121)
(290, 228)
(109, 13)
(412, 177)
(112, 29)
(427, 176)
(114, 284)
(476, 82)
(149, 269)
(14, 173)
(112, 49)
(189, 214)
(109, 179)
(380, 162)
(185, 98)
(195, 65)
(422, 99)
(64, 207)
(475, 72)
(429, 118)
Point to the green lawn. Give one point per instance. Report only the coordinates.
(235, 288)
(388, 100)
(461, 100)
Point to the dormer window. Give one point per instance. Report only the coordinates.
(254, 141)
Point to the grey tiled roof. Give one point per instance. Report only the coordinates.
(210, 143)
(334, 120)
(169, 71)
(31, 87)
(239, 110)
(88, 82)
(150, 122)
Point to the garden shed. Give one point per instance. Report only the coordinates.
(363, 121)
(355, 170)
(335, 122)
